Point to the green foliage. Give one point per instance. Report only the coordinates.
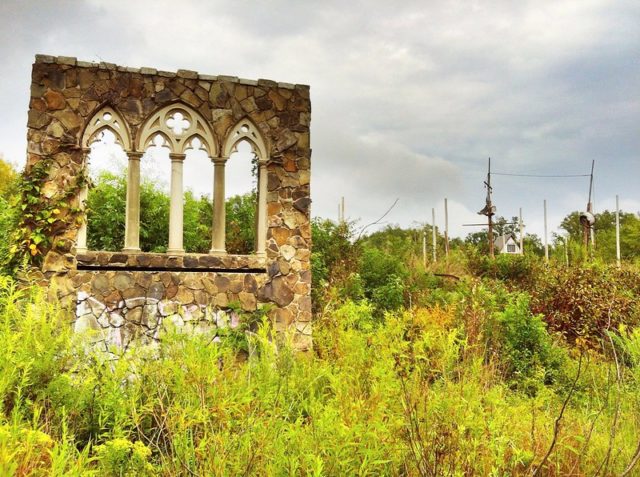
(41, 217)
(121, 457)
(527, 349)
(583, 302)
(106, 211)
(422, 392)
(106, 205)
(605, 236)
(241, 223)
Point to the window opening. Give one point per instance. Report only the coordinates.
(198, 205)
(106, 200)
(241, 199)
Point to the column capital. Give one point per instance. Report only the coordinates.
(174, 156)
(135, 155)
(219, 161)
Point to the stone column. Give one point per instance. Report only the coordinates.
(219, 216)
(261, 228)
(132, 221)
(176, 205)
(81, 242)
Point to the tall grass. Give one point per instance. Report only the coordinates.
(470, 385)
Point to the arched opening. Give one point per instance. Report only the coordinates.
(241, 199)
(187, 137)
(106, 198)
(155, 168)
(246, 182)
(105, 141)
(198, 204)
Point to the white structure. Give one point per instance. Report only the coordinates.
(180, 129)
(506, 244)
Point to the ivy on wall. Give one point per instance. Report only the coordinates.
(44, 218)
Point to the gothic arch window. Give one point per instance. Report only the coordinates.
(106, 133)
(181, 130)
(181, 127)
(245, 131)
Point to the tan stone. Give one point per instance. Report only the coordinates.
(248, 301)
(222, 300)
(55, 100)
(184, 295)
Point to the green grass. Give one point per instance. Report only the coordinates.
(469, 385)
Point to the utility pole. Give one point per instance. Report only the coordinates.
(490, 210)
(546, 241)
(586, 225)
(521, 225)
(433, 233)
(424, 248)
(617, 231)
(446, 229)
(342, 209)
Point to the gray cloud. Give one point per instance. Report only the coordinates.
(409, 98)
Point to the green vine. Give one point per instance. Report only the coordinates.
(43, 218)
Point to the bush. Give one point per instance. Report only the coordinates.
(525, 347)
(583, 302)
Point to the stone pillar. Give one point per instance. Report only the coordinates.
(81, 242)
(261, 228)
(219, 215)
(176, 205)
(132, 221)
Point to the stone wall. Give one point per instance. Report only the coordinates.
(138, 288)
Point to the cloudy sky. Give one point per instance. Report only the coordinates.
(409, 98)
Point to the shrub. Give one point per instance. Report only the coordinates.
(525, 347)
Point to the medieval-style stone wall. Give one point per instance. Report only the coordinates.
(137, 288)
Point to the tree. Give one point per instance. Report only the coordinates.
(8, 211)
(605, 233)
(106, 205)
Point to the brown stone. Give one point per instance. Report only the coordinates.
(280, 234)
(222, 300)
(156, 291)
(250, 284)
(123, 281)
(279, 291)
(55, 100)
(184, 295)
(100, 285)
(222, 283)
(210, 286)
(248, 301)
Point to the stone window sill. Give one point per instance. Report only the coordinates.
(147, 261)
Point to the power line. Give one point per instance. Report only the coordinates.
(539, 175)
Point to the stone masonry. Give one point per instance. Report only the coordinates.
(126, 295)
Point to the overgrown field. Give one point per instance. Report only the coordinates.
(465, 381)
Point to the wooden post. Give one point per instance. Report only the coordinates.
(433, 232)
(546, 241)
(446, 229)
(520, 224)
(424, 248)
(490, 234)
(617, 231)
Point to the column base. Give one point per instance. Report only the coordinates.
(81, 250)
(217, 252)
(175, 251)
(261, 254)
(131, 250)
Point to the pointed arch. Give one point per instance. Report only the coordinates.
(246, 130)
(107, 118)
(179, 125)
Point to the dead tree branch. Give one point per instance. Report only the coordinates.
(377, 221)
(556, 424)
